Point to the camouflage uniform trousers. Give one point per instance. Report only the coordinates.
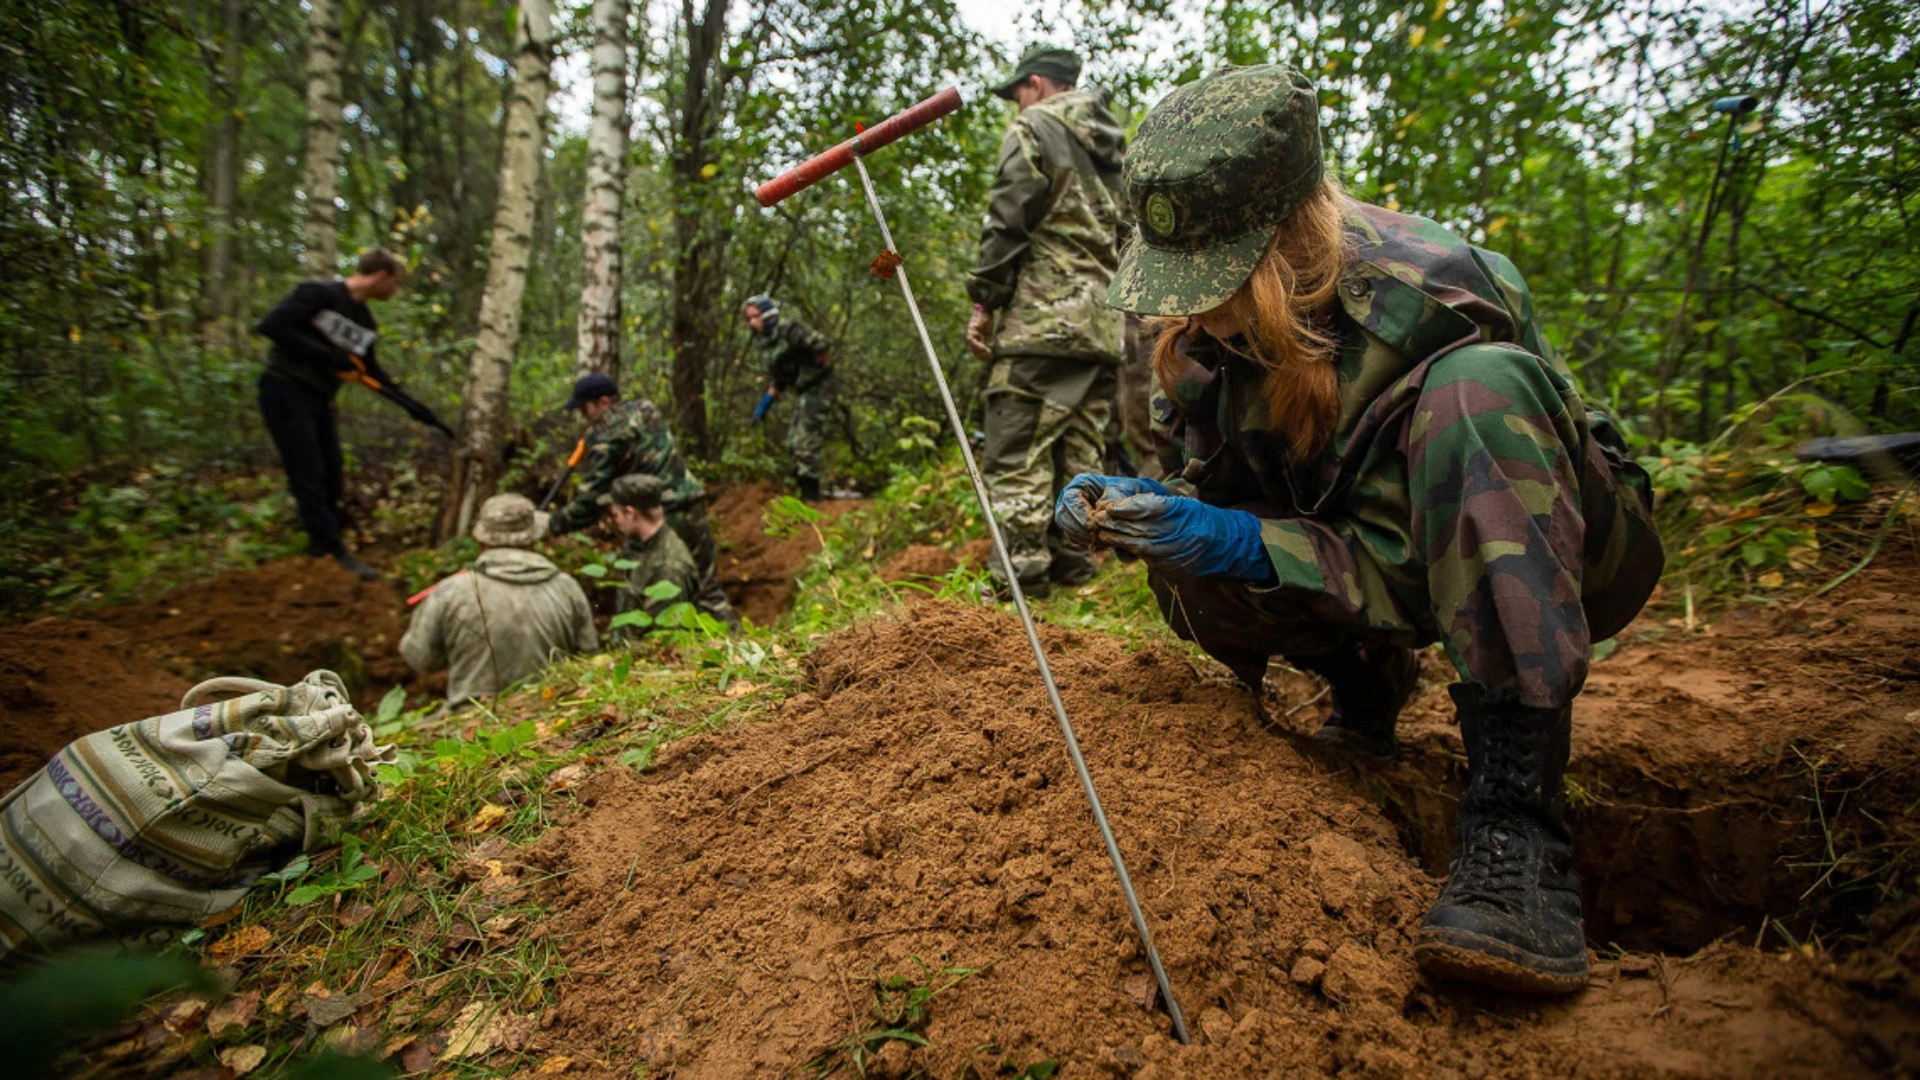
(690, 523)
(1046, 422)
(1519, 541)
(807, 437)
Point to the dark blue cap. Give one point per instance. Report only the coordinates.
(588, 388)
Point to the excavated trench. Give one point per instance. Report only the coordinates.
(1761, 772)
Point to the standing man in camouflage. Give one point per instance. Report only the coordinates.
(632, 437)
(1047, 252)
(800, 365)
(507, 616)
(658, 555)
(1374, 449)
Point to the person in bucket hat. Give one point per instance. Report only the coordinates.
(1374, 449)
(1047, 252)
(507, 616)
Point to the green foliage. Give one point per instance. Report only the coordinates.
(79, 994)
(902, 1006)
(350, 873)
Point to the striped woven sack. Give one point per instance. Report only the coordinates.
(144, 829)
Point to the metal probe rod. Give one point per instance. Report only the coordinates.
(1026, 619)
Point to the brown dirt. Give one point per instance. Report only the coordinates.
(64, 678)
(1696, 761)
(918, 562)
(758, 570)
(727, 913)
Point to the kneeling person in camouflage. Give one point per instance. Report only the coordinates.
(659, 555)
(506, 617)
(631, 436)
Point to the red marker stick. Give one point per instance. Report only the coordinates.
(819, 167)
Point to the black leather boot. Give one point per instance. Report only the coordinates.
(1509, 916)
(809, 489)
(1370, 687)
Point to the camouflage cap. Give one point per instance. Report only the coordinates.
(1060, 65)
(642, 491)
(1215, 167)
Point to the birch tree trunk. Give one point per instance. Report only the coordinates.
(321, 169)
(483, 425)
(222, 186)
(600, 269)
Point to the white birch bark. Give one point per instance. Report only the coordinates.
(483, 424)
(600, 268)
(320, 172)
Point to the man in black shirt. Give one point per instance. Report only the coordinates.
(318, 333)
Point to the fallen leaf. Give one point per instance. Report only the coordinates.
(1772, 579)
(470, 1035)
(554, 1066)
(489, 816)
(565, 777)
(243, 1059)
(278, 1000)
(221, 918)
(395, 977)
(235, 1012)
(351, 1040)
(510, 1031)
(741, 688)
(326, 1011)
(501, 924)
(185, 1014)
(1819, 509)
(419, 1055)
(242, 942)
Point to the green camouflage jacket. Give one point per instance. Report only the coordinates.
(1051, 242)
(791, 351)
(631, 438)
(1469, 497)
(498, 623)
(663, 557)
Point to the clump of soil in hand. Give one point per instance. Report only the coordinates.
(732, 911)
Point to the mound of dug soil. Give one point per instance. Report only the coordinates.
(276, 622)
(61, 679)
(756, 569)
(730, 912)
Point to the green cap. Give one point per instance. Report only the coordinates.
(1216, 166)
(1060, 65)
(642, 491)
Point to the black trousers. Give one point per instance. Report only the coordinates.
(300, 420)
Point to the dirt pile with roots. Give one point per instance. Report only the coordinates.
(733, 911)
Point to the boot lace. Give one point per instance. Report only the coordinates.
(1493, 867)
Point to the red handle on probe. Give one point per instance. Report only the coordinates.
(819, 167)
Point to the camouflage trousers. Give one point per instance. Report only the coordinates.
(807, 436)
(1517, 543)
(1046, 422)
(691, 524)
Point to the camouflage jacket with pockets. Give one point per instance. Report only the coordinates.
(791, 351)
(1051, 242)
(1403, 526)
(631, 438)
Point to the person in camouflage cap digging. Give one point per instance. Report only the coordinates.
(1372, 448)
(1047, 252)
(632, 437)
(799, 363)
(657, 553)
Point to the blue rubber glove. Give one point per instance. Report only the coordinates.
(1187, 536)
(1077, 500)
(760, 410)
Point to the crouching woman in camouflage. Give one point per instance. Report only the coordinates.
(1374, 449)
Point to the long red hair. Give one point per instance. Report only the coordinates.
(1284, 305)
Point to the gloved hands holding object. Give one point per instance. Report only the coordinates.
(1172, 532)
